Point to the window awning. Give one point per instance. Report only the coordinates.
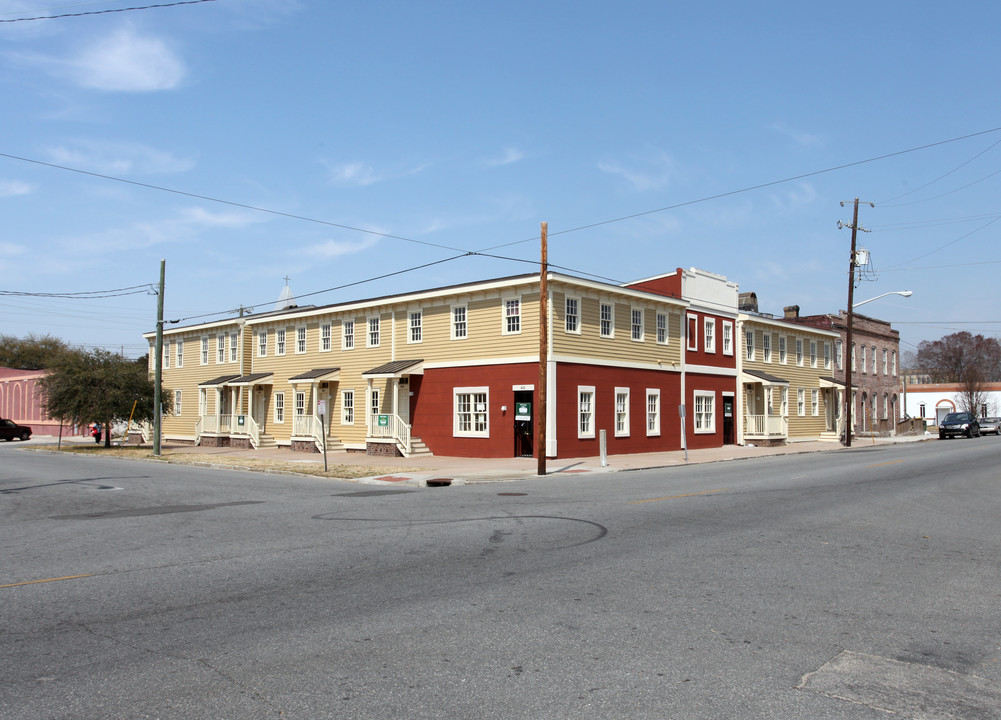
(396, 369)
(216, 382)
(252, 379)
(316, 375)
(756, 377)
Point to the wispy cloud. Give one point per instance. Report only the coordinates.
(800, 137)
(124, 61)
(508, 156)
(651, 170)
(793, 197)
(361, 174)
(330, 249)
(117, 158)
(13, 188)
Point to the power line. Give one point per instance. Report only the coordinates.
(104, 12)
(886, 203)
(83, 295)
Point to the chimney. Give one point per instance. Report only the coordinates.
(791, 312)
(747, 302)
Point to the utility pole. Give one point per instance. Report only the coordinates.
(158, 362)
(543, 350)
(849, 348)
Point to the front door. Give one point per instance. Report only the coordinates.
(403, 399)
(524, 431)
(728, 421)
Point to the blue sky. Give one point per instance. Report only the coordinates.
(350, 140)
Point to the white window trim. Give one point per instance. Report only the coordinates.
(625, 431)
(783, 350)
(576, 300)
(709, 338)
(234, 345)
(327, 328)
(766, 347)
(667, 329)
(813, 353)
(344, 406)
(178, 397)
(203, 355)
(504, 316)
(368, 331)
(452, 322)
(165, 359)
(728, 338)
(472, 391)
(749, 343)
(711, 395)
(827, 355)
(352, 325)
(410, 326)
(692, 338)
(642, 324)
(305, 340)
(800, 402)
(655, 431)
(589, 432)
(815, 401)
(179, 357)
(279, 418)
(220, 349)
(799, 352)
(262, 348)
(611, 320)
(281, 342)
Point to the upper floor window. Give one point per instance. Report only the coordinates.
(262, 343)
(512, 316)
(865, 362)
(636, 324)
(166, 354)
(220, 349)
(799, 352)
(300, 340)
(894, 358)
(374, 337)
(783, 355)
(325, 337)
(607, 320)
(813, 353)
(180, 352)
(416, 326)
(886, 362)
(727, 337)
(662, 336)
(766, 347)
(280, 341)
(692, 332)
(709, 335)
(572, 315)
(827, 356)
(233, 345)
(348, 335)
(873, 359)
(205, 351)
(460, 324)
(749, 345)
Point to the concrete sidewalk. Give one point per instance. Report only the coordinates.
(442, 470)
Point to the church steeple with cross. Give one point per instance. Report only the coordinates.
(286, 299)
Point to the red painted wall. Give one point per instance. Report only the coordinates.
(717, 385)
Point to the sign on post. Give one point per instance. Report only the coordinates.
(384, 421)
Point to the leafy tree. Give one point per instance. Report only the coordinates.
(100, 387)
(970, 360)
(31, 352)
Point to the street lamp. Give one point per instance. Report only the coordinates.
(901, 293)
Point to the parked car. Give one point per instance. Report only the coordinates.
(9, 430)
(990, 425)
(961, 423)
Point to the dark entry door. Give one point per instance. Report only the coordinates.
(728, 421)
(524, 431)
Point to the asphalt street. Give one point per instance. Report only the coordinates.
(833, 585)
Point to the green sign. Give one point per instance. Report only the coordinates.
(384, 421)
(240, 419)
(523, 411)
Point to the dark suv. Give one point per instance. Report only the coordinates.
(961, 423)
(10, 430)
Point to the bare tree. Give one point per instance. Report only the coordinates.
(970, 360)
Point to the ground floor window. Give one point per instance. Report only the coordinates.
(652, 412)
(348, 407)
(471, 419)
(705, 412)
(585, 411)
(177, 402)
(621, 412)
(815, 401)
(279, 407)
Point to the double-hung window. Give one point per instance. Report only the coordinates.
(416, 325)
(636, 324)
(692, 331)
(652, 411)
(813, 353)
(886, 362)
(233, 345)
(709, 335)
(783, 354)
(300, 403)
(374, 337)
(347, 407)
(325, 337)
(799, 352)
(662, 336)
(280, 341)
(279, 407)
(621, 412)
(705, 420)
(470, 413)
(815, 401)
(220, 349)
(348, 335)
(873, 359)
(585, 411)
(262, 343)
(839, 354)
(607, 320)
(166, 354)
(205, 351)
(827, 355)
(572, 315)
(180, 352)
(800, 402)
(766, 347)
(749, 345)
(460, 322)
(512, 317)
(727, 337)
(177, 403)
(300, 340)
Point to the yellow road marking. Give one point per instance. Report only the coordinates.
(672, 497)
(890, 462)
(32, 582)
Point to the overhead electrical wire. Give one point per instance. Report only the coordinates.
(105, 12)
(887, 203)
(85, 294)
